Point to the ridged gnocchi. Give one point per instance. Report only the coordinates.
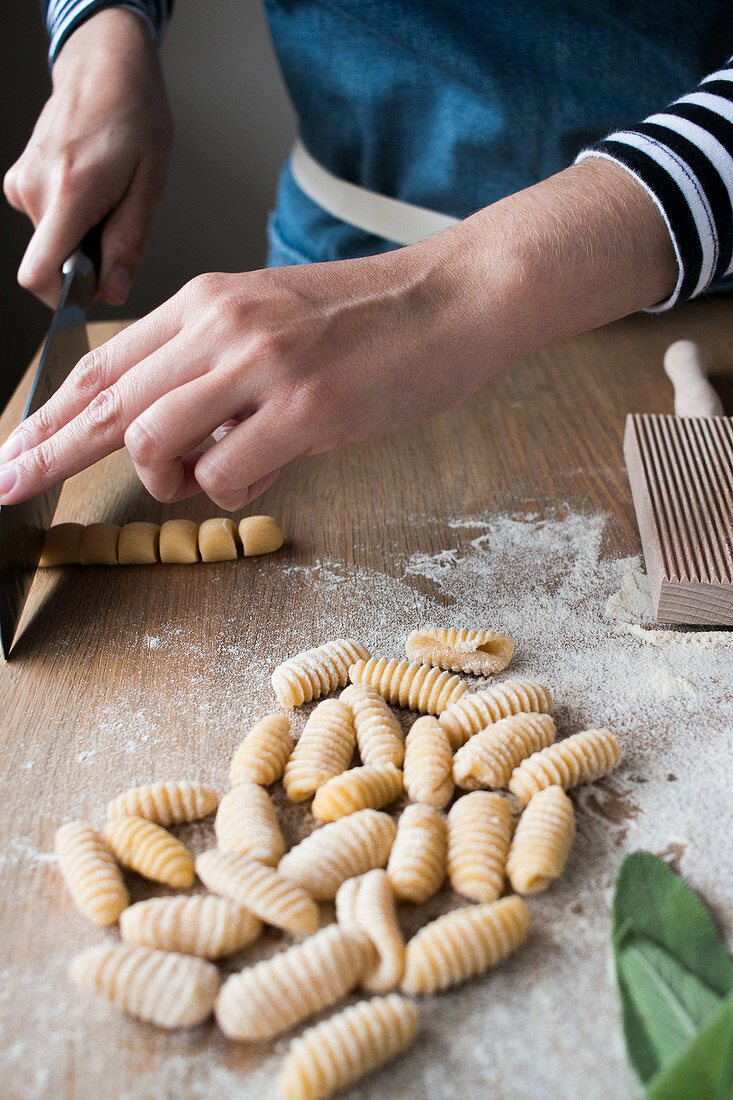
(372, 786)
(270, 896)
(541, 842)
(158, 986)
(262, 756)
(269, 998)
(201, 924)
(379, 735)
(345, 848)
(151, 851)
(316, 672)
(165, 803)
(406, 684)
(479, 652)
(479, 834)
(324, 750)
(464, 943)
(489, 757)
(91, 872)
(417, 862)
(474, 711)
(246, 822)
(578, 759)
(341, 1050)
(428, 761)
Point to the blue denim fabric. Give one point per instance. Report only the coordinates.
(453, 104)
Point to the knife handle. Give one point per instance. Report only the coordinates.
(84, 264)
(693, 395)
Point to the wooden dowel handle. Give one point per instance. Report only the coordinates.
(686, 369)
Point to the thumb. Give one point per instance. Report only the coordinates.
(125, 234)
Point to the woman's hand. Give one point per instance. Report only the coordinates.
(100, 148)
(295, 361)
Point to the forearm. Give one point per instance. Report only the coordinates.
(63, 17)
(573, 252)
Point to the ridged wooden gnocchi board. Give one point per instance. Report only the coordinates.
(681, 474)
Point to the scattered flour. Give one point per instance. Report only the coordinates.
(582, 624)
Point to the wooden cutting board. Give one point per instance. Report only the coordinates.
(128, 675)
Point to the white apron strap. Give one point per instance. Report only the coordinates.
(379, 215)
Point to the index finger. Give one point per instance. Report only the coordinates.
(95, 372)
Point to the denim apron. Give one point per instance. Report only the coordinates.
(451, 105)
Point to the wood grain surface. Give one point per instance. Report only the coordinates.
(127, 675)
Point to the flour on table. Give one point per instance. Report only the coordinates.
(582, 624)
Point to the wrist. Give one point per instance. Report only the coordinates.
(569, 254)
(110, 33)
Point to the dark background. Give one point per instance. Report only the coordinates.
(234, 127)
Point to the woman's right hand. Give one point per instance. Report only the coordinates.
(100, 148)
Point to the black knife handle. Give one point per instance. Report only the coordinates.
(83, 265)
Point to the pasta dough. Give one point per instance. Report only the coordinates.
(316, 672)
(263, 754)
(489, 757)
(260, 535)
(91, 873)
(218, 539)
(179, 541)
(158, 986)
(61, 545)
(138, 544)
(578, 759)
(542, 841)
(479, 832)
(477, 710)
(341, 850)
(343, 1049)
(201, 925)
(324, 749)
(375, 786)
(464, 943)
(98, 545)
(165, 803)
(480, 652)
(378, 732)
(246, 822)
(150, 850)
(265, 1000)
(368, 902)
(417, 862)
(428, 759)
(416, 687)
(270, 895)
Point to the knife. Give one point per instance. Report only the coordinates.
(22, 526)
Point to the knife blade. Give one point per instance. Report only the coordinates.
(22, 526)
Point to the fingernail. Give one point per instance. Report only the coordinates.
(8, 478)
(117, 285)
(12, 447)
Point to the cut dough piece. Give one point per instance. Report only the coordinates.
(179, 541)
(138, 544)
(218, 539)
(260, 535)
(61, 545)
(99, 542)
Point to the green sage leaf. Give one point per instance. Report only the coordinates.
(705, 1068)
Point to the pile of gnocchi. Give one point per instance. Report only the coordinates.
(501, 738)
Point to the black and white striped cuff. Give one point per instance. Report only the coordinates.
(64, 16)
(683, 157)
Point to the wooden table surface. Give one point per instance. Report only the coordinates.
(122, 676)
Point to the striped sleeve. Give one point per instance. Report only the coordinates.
(683, 157)
(64, 16)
